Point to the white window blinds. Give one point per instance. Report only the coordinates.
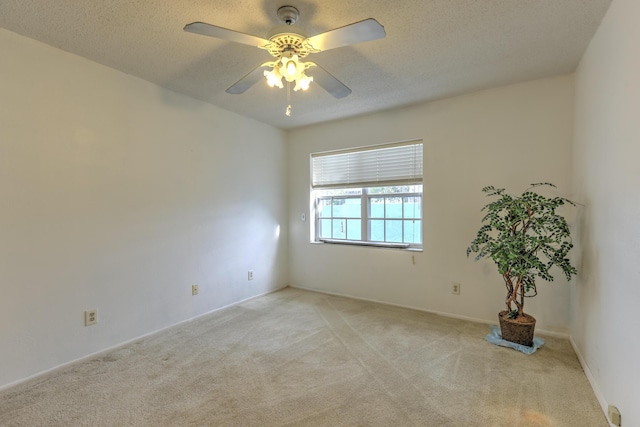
(380, 165)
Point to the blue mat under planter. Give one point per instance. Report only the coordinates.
(495, 337)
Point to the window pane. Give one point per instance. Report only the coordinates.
(325, 228)
(413, 207)
(393, 207)
(339, 229)
(394, 231)
(339, 192)
(377, 230)
(324, 207)
(413, 231)
(347, 208)
(353, 208)
(338, 207)
(391, 189)
(354, 229)
(376, 190)
(376, 207)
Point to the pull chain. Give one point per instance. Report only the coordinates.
(288, 110)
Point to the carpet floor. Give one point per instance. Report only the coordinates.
(299, 358)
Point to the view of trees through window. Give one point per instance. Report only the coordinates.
(377, 214)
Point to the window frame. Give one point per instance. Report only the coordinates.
(398, 164)
(366, 217)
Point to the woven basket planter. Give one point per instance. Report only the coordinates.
(519, 331)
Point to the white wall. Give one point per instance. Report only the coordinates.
(605, 324)
(118, 195)
(508, 137)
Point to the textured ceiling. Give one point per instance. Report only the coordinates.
(433, 48)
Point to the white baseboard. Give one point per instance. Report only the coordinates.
(439, 313)
(122, 344)
(594, 385)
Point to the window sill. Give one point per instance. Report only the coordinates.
(404, 246)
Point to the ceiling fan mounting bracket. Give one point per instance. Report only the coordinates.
(288, 14)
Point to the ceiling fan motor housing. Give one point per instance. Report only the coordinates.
(287, 39)
(281, 43)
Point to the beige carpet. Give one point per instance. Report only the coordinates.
(298, 358)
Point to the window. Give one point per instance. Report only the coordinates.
(370, 195)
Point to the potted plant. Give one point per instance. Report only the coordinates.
(525, 237)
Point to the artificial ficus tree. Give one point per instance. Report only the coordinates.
(525, 237)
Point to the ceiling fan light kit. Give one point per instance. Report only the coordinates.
(288, 44)
(290, 68)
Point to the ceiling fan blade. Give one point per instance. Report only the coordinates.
(358, 32)
(326, 81)
(224, 33)
(247, 81)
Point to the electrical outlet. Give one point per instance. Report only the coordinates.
(455, 288)
(194, 290)
(614, 415)
(90, 317)
(250, 275)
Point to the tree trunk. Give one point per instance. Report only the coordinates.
(513, 291)
(509, 284)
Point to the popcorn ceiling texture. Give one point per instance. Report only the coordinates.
(433, 49)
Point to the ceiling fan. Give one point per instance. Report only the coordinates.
(288, 44)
